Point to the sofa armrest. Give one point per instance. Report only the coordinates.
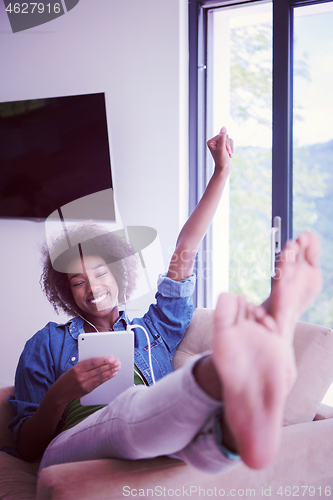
(107, 478)
(6, 415)
(313, 346)
(197, 338)
(304, 459)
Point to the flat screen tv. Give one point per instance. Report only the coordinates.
(52, 151)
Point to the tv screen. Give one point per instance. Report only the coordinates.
(52, 151)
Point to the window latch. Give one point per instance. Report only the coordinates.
(275, 242)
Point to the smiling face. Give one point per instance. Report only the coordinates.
(94, 290)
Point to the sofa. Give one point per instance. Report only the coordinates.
(302, 468)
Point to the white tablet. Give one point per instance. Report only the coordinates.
(120, 345)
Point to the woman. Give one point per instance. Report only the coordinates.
(182, 414)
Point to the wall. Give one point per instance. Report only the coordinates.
(135, 52)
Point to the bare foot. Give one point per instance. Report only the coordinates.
(250, 357)
(297, 281)
(253, 351)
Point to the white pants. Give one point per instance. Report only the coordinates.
(174, 417)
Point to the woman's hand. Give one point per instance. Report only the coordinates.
(37, 431)
(221, 148)
(84, 378)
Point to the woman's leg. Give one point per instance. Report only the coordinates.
(143, 422)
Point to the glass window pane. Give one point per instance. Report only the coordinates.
(313, 141)
(240, 97)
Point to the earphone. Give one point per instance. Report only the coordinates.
(84, 319)
(131, 327)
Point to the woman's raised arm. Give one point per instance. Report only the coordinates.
(189, 239)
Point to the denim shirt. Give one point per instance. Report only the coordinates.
(54, 349)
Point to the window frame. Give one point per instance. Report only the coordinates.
(282, 119)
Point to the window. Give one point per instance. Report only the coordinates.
(239, 76)
(247, 60)
(313, 141)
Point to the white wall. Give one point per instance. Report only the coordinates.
(135, 52)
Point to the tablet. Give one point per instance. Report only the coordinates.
(120, 345)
